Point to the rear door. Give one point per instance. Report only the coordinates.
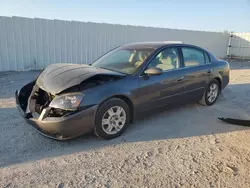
(198, 70)
(164, 89)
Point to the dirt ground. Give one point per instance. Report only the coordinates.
(183, 146)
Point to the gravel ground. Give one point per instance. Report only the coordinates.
(179, 147)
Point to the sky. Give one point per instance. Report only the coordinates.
(209, 15)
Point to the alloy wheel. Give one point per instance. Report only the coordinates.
(212, 93)
(113, 120)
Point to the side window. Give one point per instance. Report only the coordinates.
(167, 59)
(193, 57)
(207, 58)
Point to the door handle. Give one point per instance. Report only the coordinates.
(209, 71)
(180, 78)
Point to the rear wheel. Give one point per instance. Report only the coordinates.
(211, 94)
(112, 118)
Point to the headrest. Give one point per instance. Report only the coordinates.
(166, 54)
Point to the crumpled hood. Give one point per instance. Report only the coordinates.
(58, 77)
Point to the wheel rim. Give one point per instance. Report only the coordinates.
(212, 93)
(113, 120)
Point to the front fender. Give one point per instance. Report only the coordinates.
(123, 87)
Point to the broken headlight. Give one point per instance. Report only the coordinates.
(67, 102)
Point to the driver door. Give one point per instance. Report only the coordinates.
(164, 89)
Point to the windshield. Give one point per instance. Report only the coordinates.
(125, 60)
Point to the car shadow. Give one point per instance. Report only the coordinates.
(20, 143)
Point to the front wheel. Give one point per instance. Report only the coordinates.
(211, 94)
(112, 118)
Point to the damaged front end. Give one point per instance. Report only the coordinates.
(53, 102)
(35, 102)
(54, 116)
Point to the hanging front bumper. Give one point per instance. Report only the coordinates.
(61, 128)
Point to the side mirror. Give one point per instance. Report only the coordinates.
(153, 71)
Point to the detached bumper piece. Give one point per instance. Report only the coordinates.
(60, 128)
(236, 121)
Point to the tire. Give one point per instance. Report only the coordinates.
(103, 115)
(205, 98)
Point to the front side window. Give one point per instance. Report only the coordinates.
(166, 60)
(125, 60)
(193, 57)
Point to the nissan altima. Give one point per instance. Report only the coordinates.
(104, 97)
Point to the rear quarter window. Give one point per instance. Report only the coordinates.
(207, 58)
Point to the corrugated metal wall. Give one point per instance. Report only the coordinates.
(27, 43)
(240, 45)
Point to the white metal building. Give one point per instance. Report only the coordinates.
(27, 43)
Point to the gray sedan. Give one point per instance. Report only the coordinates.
(69, 100)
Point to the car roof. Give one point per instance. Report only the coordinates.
(159, 44)
(155, 45)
